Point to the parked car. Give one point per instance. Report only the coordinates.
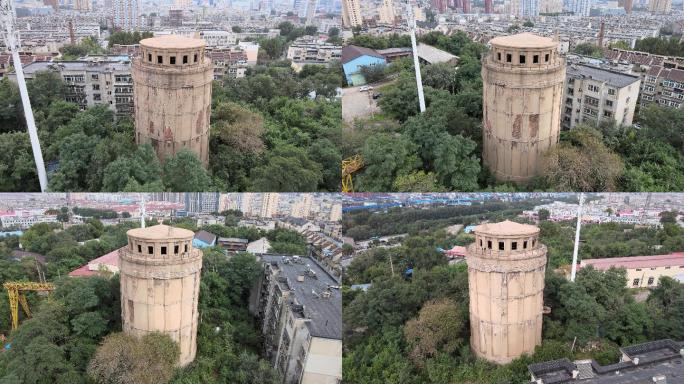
(366, 88)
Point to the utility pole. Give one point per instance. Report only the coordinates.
(11, 36)
(577, 238)
(416, 63)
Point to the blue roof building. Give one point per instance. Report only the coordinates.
(204, 239)
(353, 58)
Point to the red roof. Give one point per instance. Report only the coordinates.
(91, 269)
(457, 250)
(630, 262)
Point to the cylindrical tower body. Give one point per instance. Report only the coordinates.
(523, 77)
(160, 280)
(172, 95)
(506, 266)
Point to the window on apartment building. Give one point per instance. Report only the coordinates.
(185, 59)
(97, 97)
(635, 283)
(96, 87)
(173, 60)
(501, 245)
(546, 58)
(592, 88)
(94, 76)
(607, 114)
(160, 60)
(650, 281)
(535, 59)
(522, 59)
(609, 103)
(611, 91)
(509, 57)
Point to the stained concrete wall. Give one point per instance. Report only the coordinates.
(506, 290)
(521, 105)
(160, 280)
(173, 100)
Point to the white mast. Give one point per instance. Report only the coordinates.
(577, 238)
(142, 210)
(416, 63)
(11, 37)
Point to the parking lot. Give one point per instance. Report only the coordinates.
(357, 104)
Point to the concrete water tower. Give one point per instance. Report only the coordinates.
(160, 281)
(506, 267)
(172, 79)
(523, 77)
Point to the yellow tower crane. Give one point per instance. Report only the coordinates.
(15, 293)
(349, 166)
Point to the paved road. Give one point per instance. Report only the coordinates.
(357, 104)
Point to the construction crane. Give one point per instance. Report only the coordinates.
(349, 166)
(9, 33)
(15, 293)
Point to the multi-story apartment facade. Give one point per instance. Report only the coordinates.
(664, 86)
(351, 13)
(307, 51)
(299, 305)
(228, 63)
(126, 14)
(643, 271)
(92, 82)
(660, 7)
(593, 95)
(202, 202)
(581, 7)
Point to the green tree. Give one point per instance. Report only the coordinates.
(385, 157)
(149, 359)
(141, 169)
(184, 172)
(373, 73)
(287, 168)
(17, 168)
(440, 327)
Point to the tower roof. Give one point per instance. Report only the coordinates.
(161, 232)
(172, 41)
(507, 227)
(524, 40)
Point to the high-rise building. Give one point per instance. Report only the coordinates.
(488, 6)
(336, 212)
(172, 79)
(160, 283)
(466, 6)
(523, 77)
(550, 6)
(660, 7)
(386, 12)
(514, 7)
(182, 4)
(302, 208)
(126, 14)
(581, 7)
(269, 205)
(351, 13)
(440, 5)
(176, 17)
(83, 5)
(311, 6)
(530, 8)
(506, 267)
(202, 202)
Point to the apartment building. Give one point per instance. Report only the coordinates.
(664, 86)
(228, 63)
(299, 305)
(309, 51)
(643, 271)
(594, 95)
(93, 81)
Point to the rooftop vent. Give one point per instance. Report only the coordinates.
(300, 278)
